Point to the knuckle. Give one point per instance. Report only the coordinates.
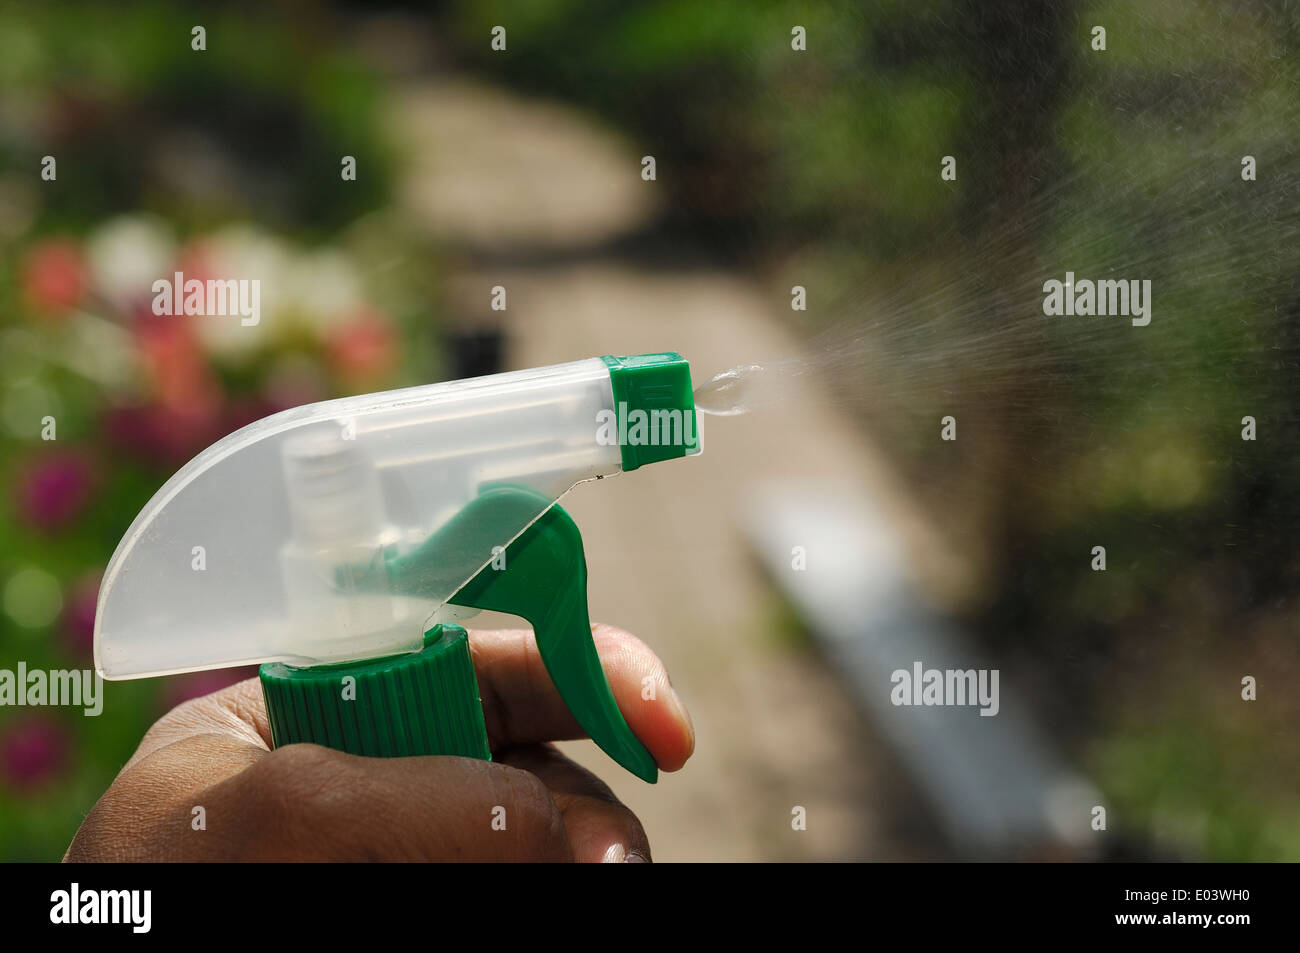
(300, 786)
(537, 820)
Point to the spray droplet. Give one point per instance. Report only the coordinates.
(729, 393)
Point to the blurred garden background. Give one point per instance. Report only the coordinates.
(775, 167)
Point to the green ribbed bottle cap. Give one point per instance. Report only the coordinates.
(421, 703)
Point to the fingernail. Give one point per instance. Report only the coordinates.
(614, 854)
(633, 857)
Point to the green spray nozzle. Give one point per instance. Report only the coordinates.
(654, 408)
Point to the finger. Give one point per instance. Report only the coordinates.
(521, 705)
(599, 826)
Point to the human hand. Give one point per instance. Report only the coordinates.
(306, 802)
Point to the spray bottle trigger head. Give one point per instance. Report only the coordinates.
(544, 580)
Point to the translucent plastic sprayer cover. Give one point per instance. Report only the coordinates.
(274, 543)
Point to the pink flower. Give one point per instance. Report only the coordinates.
(33, 752)
(54, 277)
(184, 413)
(159, 435)
(54, 491)
(363, 350)
(181, 376)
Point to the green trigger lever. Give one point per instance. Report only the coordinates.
(427, 702)
(545, 582)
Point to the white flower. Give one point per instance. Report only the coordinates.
(244, 253)
(325, 288)
(127, 255)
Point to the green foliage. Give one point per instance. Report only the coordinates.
(270, 110)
